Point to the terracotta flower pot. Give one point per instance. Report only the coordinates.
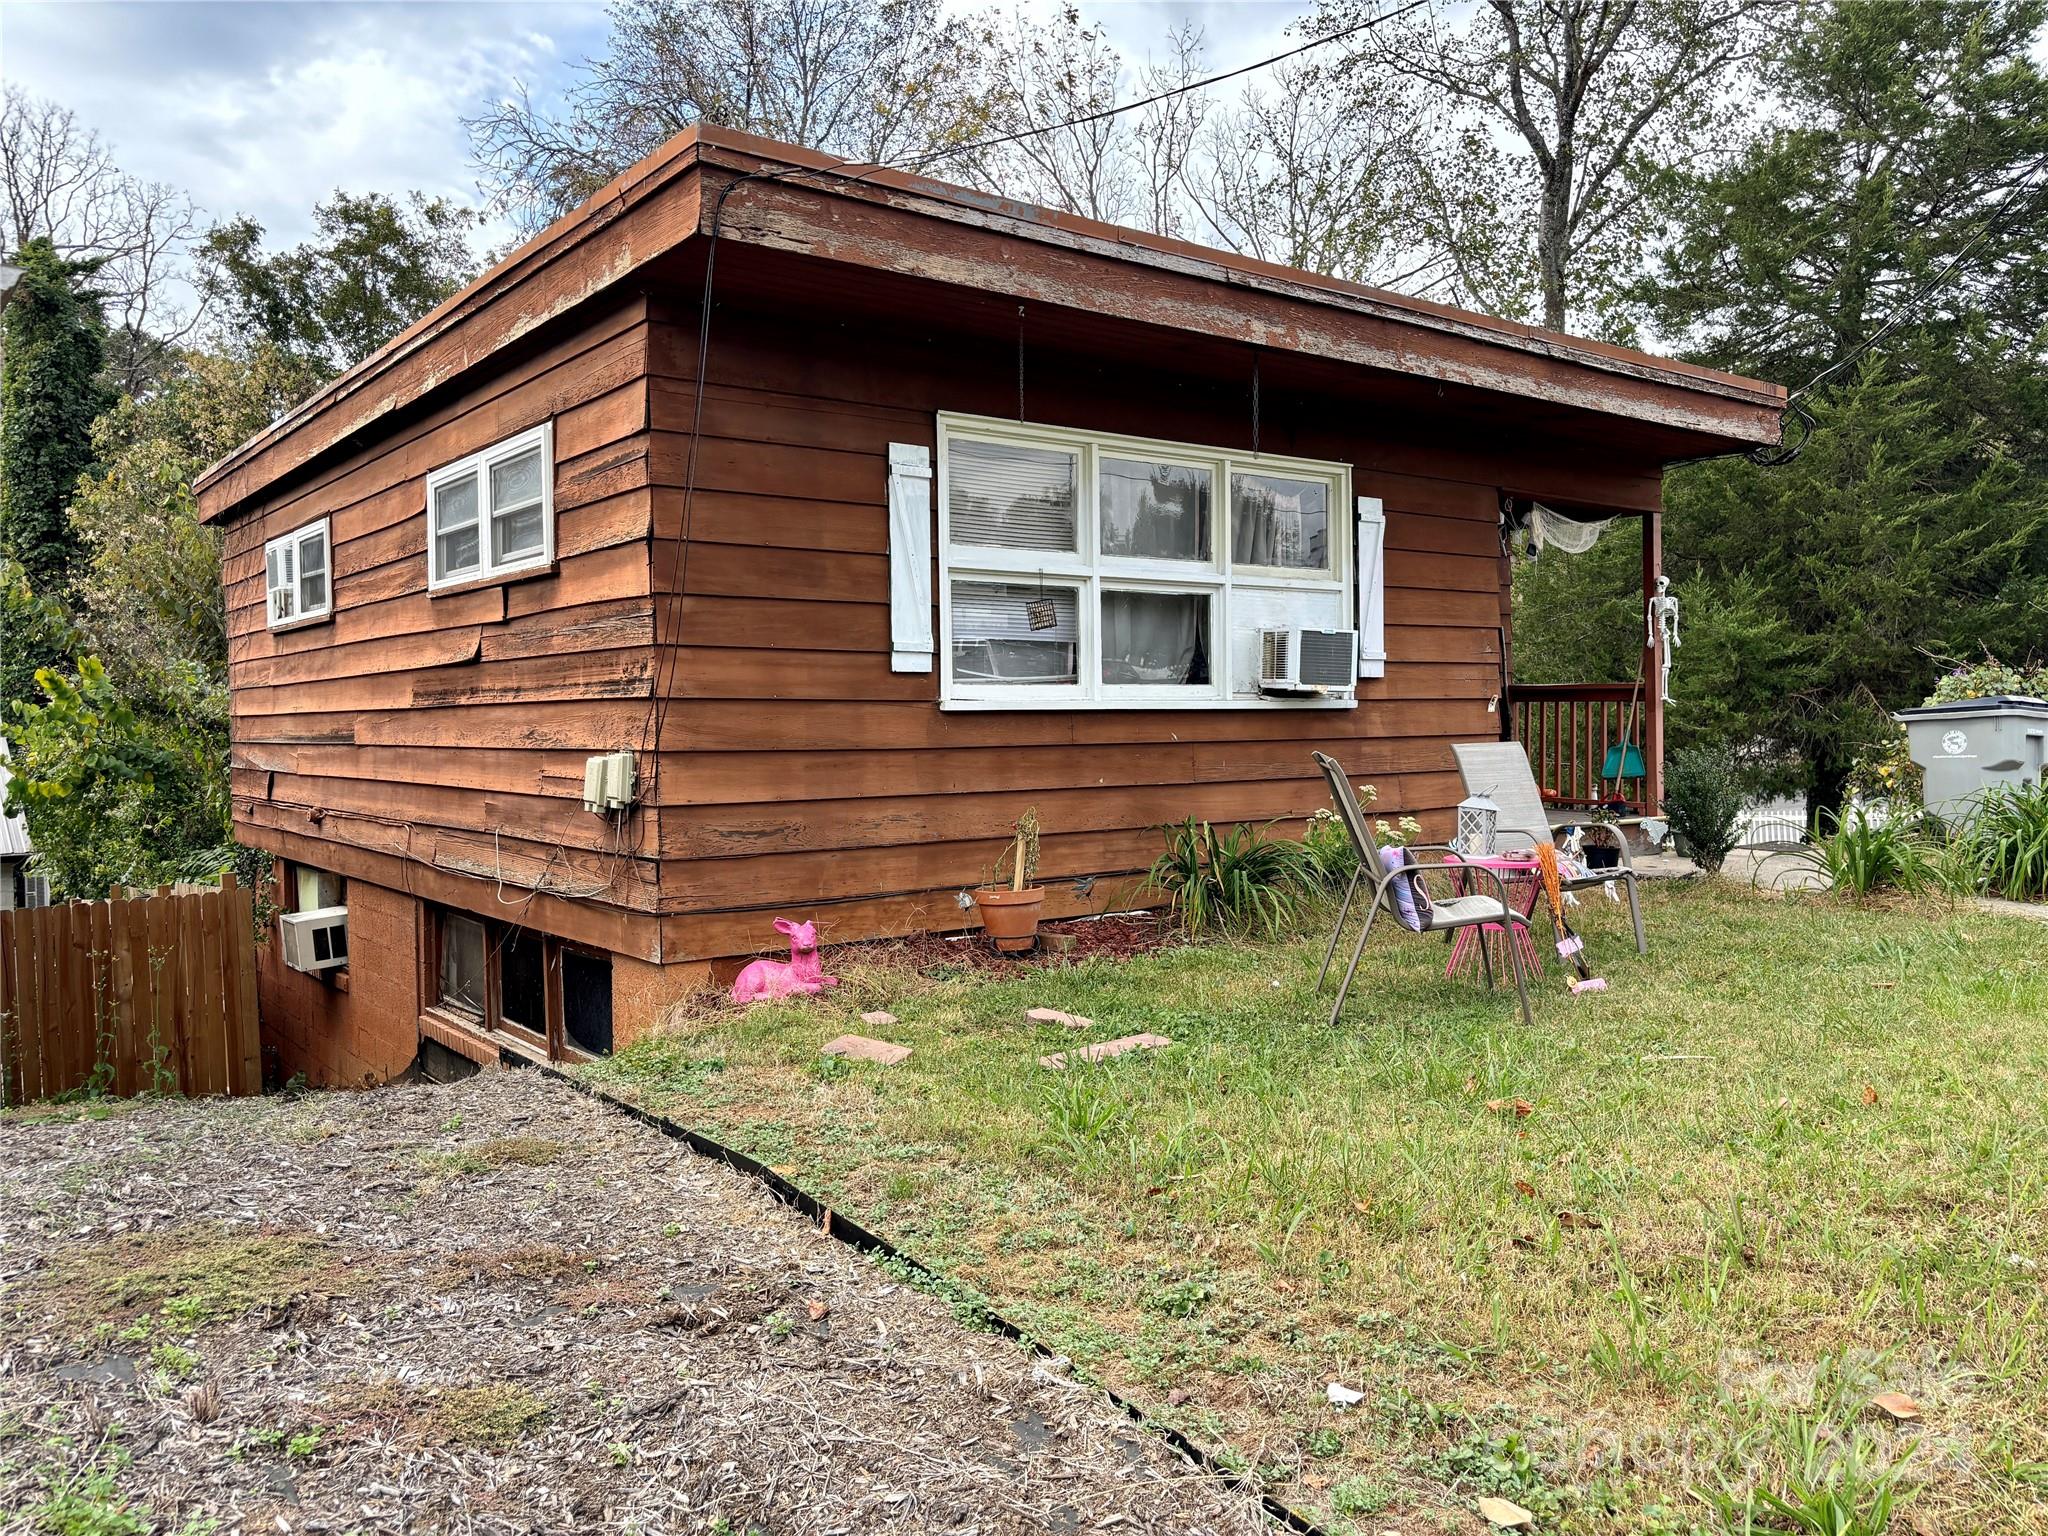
(1011, 917)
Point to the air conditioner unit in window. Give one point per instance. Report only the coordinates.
(316, 940)
(1308, 662)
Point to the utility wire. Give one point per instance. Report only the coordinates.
(1786, 452)
(1179, 90)
(1920, 296)
(664, 664)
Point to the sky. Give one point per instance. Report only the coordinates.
(265, 108)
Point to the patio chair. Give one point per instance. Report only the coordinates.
(1499, 770)
(1446, 914)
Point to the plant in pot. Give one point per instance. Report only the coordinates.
(1603, 850)
(1009, 902)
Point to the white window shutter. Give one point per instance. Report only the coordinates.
(1372, 586)
(910, 558)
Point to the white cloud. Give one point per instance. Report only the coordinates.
(266, 109)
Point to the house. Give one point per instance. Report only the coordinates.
(18, 888)
(956, 507)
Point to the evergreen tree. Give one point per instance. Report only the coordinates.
(50, 392)
(1912, 530)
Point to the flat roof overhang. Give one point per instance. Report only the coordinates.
(802, 203)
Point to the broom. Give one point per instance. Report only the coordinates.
(1569, 944)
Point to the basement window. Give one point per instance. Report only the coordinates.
(298, 586)
(546, 994)
(493, 513)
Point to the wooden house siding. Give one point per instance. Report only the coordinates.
(719, 598)
(431, 741)
(799, 773)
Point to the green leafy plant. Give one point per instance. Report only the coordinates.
(1836, 1485)
(1240, 880)
(1329, 858)
(1703, 799)
(1861, 855)
(2003, 844)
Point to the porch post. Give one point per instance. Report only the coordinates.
(1653, 691)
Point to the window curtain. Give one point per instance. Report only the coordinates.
(1155, 637)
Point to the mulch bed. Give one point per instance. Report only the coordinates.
(1118, 936)
(499, 1306)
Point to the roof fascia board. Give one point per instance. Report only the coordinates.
(729, 149)
(658, 204)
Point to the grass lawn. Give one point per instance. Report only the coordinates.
(1795, 1158)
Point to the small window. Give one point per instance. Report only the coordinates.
(493, 513)
(296, 580)
(462, 964)
(312, 890)
(537, 990)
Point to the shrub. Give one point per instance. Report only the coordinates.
(1860, 855)
(1703, 799)
(2004, 841)
(1989, 678)
(1234, 881)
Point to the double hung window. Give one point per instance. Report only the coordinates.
(493, 513)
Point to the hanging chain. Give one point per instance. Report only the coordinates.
(1020, 362)
(1255, 403)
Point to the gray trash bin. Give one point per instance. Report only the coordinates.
(1973, 744)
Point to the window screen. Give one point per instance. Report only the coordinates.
(462, 963)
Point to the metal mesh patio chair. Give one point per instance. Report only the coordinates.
(1499, 770)
(1445, 915)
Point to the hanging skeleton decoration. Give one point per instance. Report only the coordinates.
(1663, 625)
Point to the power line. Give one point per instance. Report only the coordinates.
(1165, 95)
(1913, 301)
(664, 660)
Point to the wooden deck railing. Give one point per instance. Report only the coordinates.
(1566, 728)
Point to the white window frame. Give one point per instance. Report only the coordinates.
(479, 464)
(293, 545)
(1094, 573)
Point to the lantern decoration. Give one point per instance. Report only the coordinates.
(1477, 819)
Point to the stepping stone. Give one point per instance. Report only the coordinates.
(1054, 1016)
(861, 1048)
(878, 1019)
(1104, 1049)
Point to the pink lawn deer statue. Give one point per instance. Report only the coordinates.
(765, 980)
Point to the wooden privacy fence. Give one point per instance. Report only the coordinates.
(152, 993)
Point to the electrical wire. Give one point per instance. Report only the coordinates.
(651, 733)
(1786, 452)
(1920, 296)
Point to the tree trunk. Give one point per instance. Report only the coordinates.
(1828, 792)
(1552, 223)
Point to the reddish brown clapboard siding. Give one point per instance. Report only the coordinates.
(800, 773)
(435, 743)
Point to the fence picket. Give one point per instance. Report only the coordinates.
(101, 992)
(248, 1028)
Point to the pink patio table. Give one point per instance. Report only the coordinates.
(1520, 874)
